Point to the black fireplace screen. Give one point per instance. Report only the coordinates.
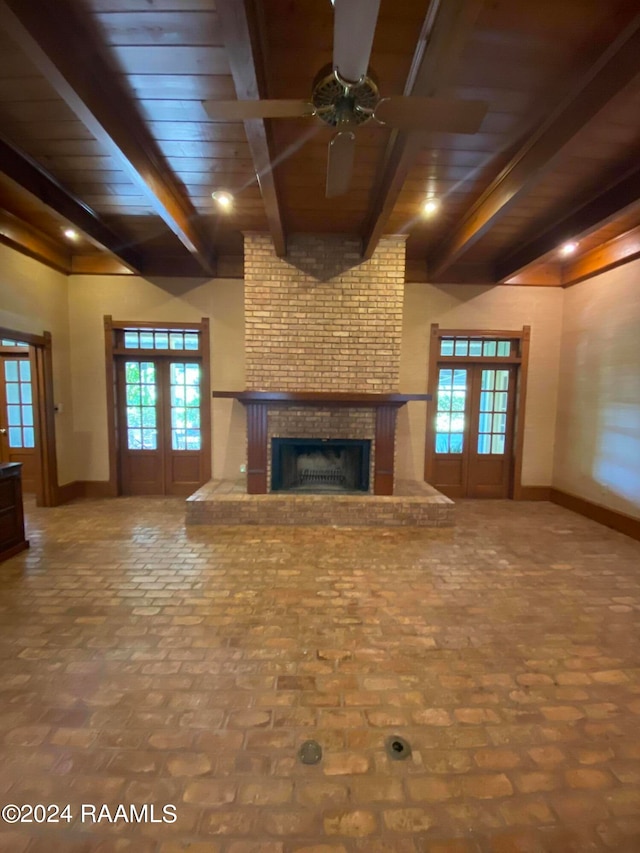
(320, 465)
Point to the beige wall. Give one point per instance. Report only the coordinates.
(161, 300)
(483, 307)
(598, 429)
(33, 298)
(592, 448)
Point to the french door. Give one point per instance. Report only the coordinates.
(473, 434)
(159, 403)
(18, 438)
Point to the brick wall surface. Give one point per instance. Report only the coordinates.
(321, 319)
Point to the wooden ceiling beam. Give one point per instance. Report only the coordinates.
(56, 39)
(27, 174)
(609, 255)
(603, 208)
(97, 265)
(617, 67)
(240, 26)
(444, 31)
(29, 241)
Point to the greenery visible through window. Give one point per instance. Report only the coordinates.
(185, 406)
(141, 396)
(475, 347)
(452, 394)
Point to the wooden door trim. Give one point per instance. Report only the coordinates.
(432, 404)
(519, 414)
(48, 492)
(113, 433)
(158, 324)
(27, 337)
(205, 390)
(111, 328)
(520, 364)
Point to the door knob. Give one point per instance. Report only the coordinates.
(3, 432)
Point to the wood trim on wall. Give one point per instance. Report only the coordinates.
(112, 421)
(385, 450)
(69, 492)
(521, 400)
(535, 493)
(256, 448)
(27, 337)
(158, 324)
(521, 363)
(619, 521)
(46, 403)
(84, 489)
(432, 388)
(40, 358)
(205, 390)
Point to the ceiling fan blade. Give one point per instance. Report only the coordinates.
(340, 163)
(353, 30)
(243, 110)
(434, 114)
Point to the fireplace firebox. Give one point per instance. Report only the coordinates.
(320, 465)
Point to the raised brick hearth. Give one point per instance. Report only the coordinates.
(414, 504)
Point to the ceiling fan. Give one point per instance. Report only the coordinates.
(344, 96)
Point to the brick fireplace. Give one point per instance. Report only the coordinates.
(322, 352)
(322, 322)
(322, 319)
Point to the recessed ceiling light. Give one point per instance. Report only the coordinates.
(431, 206)
(70, 234)
(568, 249)
(223, 199)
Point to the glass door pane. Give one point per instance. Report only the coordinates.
(492, 419)
(184, 379)
(141, 405)
(17, 376)
(450, 415)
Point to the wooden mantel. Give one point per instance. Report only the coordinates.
(321, 398)
(257, 402)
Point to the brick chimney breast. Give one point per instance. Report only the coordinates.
(322, 319)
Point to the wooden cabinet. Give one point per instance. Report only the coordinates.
(12, 539)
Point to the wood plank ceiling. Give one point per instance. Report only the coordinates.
(102, 130)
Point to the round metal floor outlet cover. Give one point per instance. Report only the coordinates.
(310, 752)
(397, 748)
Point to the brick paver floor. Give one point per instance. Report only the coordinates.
(142, 663)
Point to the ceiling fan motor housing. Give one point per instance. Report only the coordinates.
(333, 97)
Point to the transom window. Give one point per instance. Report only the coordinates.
(160, 339)
(7, 343)
(468, 347)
